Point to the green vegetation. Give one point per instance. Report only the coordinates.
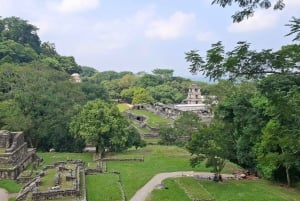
(10, 185)
(103, 187)
(156, 159)
(242, 190)
(255, 124)
(170, 191)
(50, 157)
(122, 107)
(153, 120)
(48, 180)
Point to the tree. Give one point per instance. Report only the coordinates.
(94, 91)
(209, 144)
(295, 28)
(127, 94)
(101, 124)
(249, 7)
(11, 51)
(242, 114)
(279, 146)
(163, 74)
(167, 135)
(69, 65)
(148, 80)
(48, 49)
(88, 72)
(166, 94)
(181, 131)
(126, 81)
(141, 95)
(18, 30)
(242, 62)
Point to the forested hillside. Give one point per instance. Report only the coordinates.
(256, 122)
(38, 98)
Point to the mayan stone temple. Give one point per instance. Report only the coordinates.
(14, 154)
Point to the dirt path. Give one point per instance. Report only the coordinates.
(3, 195)
(142, 193)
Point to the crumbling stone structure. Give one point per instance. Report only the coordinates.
(14, 154)
(194, 102)
(194, 95)
(56, 191)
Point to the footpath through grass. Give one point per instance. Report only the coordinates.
(188, 188)
(134, 175)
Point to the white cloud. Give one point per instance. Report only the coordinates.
(74, 6)
(206, 36)
(260, 21)
(174, 27)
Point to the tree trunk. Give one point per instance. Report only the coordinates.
(288, 179)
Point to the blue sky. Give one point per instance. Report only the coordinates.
(140, 35)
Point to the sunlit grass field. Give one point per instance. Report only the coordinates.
(188, 188)
(135, 174)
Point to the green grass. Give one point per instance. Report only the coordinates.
(231, 190)
(157, 159)
(103, 187)
(144, 131)
(171, 191)
(122, 107)
(50, 157)
(152, 141)
(48, 180)
(153, 119)
(10, 185)
(2, 150)
(249, 190)
(194, 190)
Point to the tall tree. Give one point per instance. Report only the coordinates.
(101, 124)
(20, 31)
(210, 145)
(279, 146)
(164, 74)
(141, 95)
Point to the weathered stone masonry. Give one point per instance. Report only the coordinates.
(14, 154)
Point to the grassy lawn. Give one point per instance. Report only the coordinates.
(153, 119)
(122, 107)
(152, 141)
(171, 192)
(10, 185)
(51, 157)
(232, 190)
(135, 174)
(103, 187)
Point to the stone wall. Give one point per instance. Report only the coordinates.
(54, 192)
(15, 156)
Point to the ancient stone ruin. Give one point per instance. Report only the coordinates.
(65, 177)
(14, 154)
(194, 102)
